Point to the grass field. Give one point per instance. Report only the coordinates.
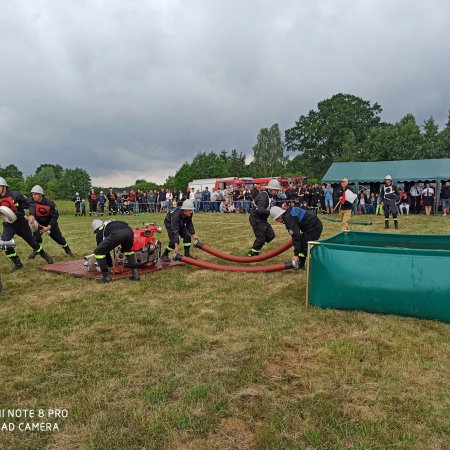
(193, 359)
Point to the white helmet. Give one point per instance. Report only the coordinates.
(3, 182)
(276, 212)
(37, 190)
(388, 177)
(188, 204)
(96, 224)
(77, 193)
(274, 184)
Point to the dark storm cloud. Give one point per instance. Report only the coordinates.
(131, 89)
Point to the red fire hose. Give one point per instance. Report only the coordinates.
(243, 259)
(210, 266)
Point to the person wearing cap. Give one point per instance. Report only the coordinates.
(77, 202)
(345, 206)
(390, 196)
(259, 214)
(109, 235)
(17, 203)
(44, 213)
(178, 223)
(303, 226)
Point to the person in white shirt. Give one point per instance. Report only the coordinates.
(414, 194)
(169, 199)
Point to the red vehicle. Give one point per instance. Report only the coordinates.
(286, 182)
(234, 182)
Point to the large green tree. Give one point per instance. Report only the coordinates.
(74, 180)
(268, 153)
(321, 134)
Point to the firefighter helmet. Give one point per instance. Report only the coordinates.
(96, 224)
(188, 204)
(388, 177)
(37, 190)
(274, 184)
(276, 212)
(3, 182)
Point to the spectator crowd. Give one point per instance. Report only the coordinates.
(414, 198)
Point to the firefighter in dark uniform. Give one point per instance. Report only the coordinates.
(45, 213)
(109, 235)
(303, 226)
(77, 202)
(17, 202)
(390, 196)
(259, 214)
(178, 222)
(93, 201)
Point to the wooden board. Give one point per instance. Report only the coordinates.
(78, 269)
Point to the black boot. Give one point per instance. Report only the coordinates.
(16, 263)
(135, 275)
(46, 256)
(165, 256)
(187, 252)
(106, 278)
(253, 253)
(68, 251)
(33, 254)
(386, 224)
(396, 224)
(301, 263)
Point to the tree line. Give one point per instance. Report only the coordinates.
(341, 128)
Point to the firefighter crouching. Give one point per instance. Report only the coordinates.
(302, 225)
(44, 214)
(17, 202)
(259, 214)
(178, 222)
(109, 235)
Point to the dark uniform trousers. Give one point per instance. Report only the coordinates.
(263, 232)
(55, 234)
(123, 237)
(22, 229)
(310, 235)
(184, 234)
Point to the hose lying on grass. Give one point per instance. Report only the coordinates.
(210, 266)
(354, 222)
(243, 259)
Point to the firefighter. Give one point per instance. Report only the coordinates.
(302, 225)
(17, 202)
(45, 213)
(178, 222)
(390, 196)
(259, 214)
(77, 202)
(93, 201)
(109, 235)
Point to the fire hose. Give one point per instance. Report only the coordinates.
(211, 266)
(243, 259)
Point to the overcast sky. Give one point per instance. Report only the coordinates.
(131, 89)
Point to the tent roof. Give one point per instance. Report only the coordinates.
(416, 170)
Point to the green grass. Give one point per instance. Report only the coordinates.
(191, 359)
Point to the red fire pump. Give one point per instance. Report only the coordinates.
(146, 248)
